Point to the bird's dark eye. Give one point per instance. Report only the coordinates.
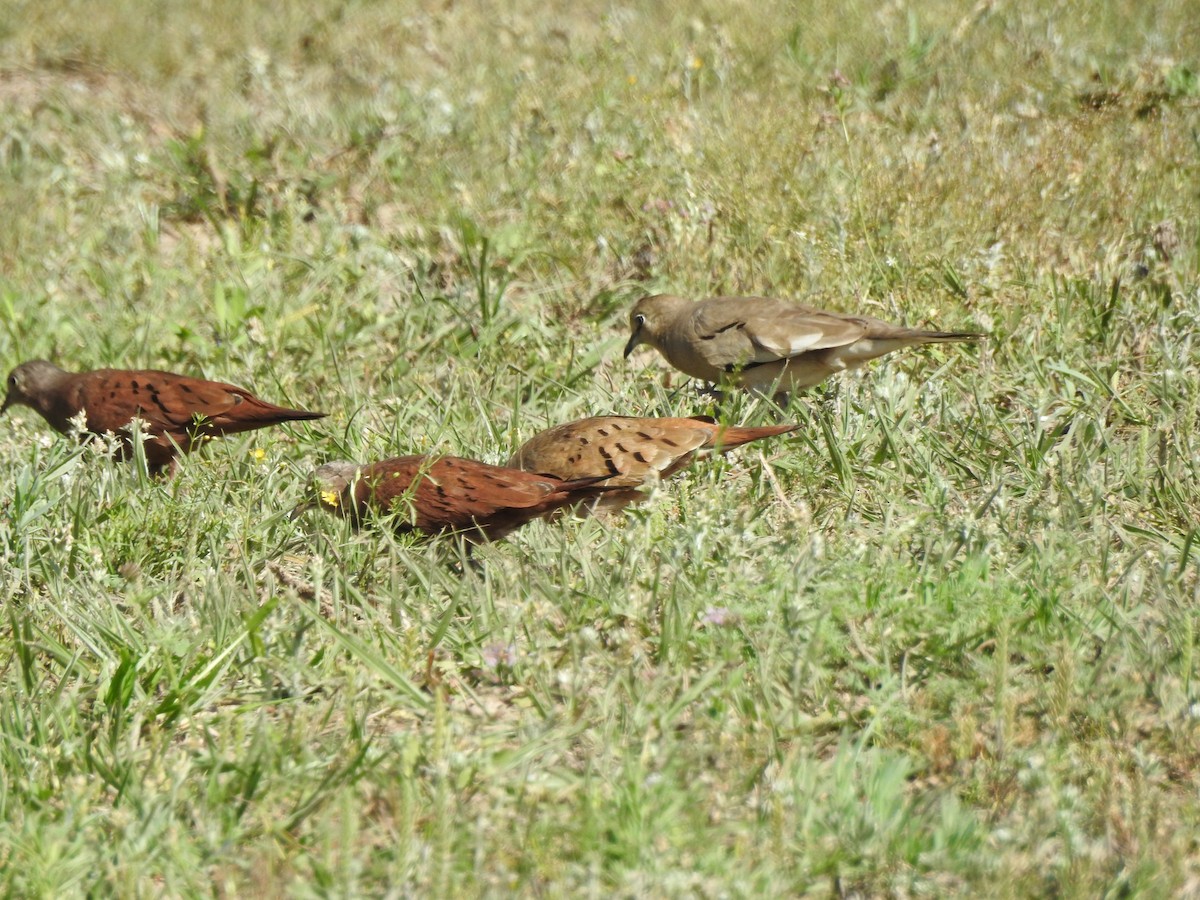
(12, 381)
(639, 320)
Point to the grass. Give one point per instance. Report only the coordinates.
(943, 640)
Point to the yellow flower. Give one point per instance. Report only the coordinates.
(258, 454)
(329, 498)
(696, 62)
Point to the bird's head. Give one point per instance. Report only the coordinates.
(330, 485)
(651, 317)
(31, 383)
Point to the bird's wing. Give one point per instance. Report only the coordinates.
(165, 401)
(449, 492)
(628, 449)
(175, 404)
(787, 330)
(756, 330)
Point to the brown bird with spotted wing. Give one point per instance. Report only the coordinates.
(761, 343)
(631, 451)
(178, 411)
(447, 493)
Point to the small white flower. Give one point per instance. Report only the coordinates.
(78, 422)
(140, 427)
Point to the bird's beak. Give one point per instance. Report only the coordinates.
(634, 340)
(300, 508)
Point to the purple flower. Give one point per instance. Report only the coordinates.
(496, 655)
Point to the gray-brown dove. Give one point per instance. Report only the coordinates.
(766, 344)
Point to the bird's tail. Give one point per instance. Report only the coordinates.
(592, 482)
(735, 435)
(940, 337)
(300, 415)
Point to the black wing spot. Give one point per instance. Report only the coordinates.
(158, 402)
(744, 367)
(722, 330)
(641, 457)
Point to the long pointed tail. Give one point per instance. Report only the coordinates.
(736, 435)
(582, 484)
(938, 337)
(298, 415)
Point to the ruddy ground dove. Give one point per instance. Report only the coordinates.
(446, 494)
(630, 451)
(766, 344)
(178, 411)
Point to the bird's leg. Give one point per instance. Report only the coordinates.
(467, 561)
(473, 561)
